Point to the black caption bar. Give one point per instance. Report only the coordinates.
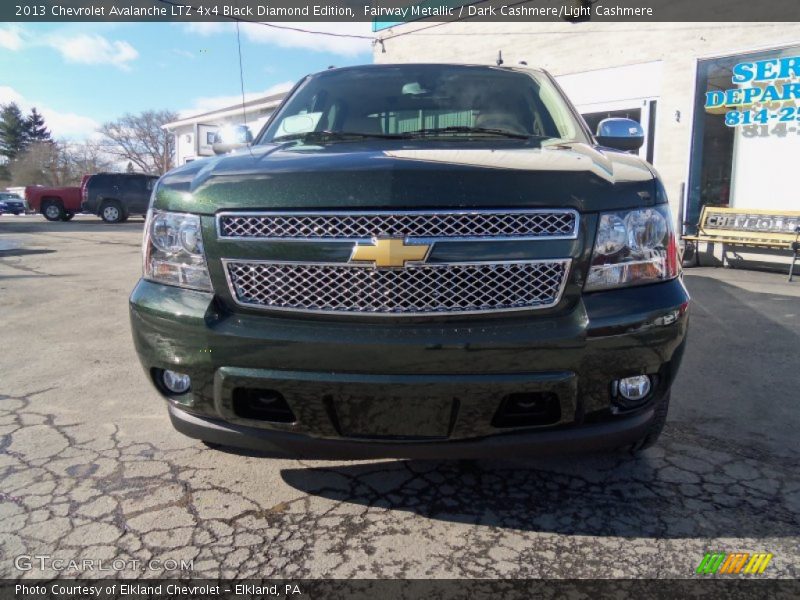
(362, 589)
(400, 11)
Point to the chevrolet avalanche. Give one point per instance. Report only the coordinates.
(420, 261)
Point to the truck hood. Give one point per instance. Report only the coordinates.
(400, 175)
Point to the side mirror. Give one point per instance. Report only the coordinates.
(620, 134)
(231, 138)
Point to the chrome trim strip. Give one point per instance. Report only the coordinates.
(410, 239)
(565, 262)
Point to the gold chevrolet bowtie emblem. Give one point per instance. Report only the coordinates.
(389, 252)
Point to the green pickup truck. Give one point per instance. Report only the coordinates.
(416, 261)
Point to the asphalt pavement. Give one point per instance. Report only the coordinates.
(90, 467)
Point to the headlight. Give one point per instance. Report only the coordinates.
(173, 250)
(633, 248)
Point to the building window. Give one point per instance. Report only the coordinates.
(747, 166)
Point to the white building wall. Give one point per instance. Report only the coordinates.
(186, 144)
(184, 147)
(613, 84)
(567, 49)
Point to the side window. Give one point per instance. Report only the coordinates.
(558, 113)
(150, 184)
(333, 114)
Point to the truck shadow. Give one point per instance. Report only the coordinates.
(725, 466)
(6, 252)
(82, 224)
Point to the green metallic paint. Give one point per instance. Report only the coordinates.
(210, 342)
(366, 176)
(574, 349)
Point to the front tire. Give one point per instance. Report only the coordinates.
(111, 212)
(656, 427)
(68, 216)
(53, 211)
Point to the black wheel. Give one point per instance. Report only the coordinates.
(656, 427)
(53, 210)
(111, 211)
(68, 216)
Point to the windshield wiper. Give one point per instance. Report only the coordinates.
(478, 130)
(338, 135)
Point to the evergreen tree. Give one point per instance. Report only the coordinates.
(13, 131)
(36, 129)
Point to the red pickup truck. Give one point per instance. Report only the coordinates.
(56, 203)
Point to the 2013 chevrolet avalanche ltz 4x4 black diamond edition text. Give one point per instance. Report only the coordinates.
(415, 261)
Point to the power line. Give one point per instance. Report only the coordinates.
(378, 40)
(403, 33)
(309, 31)
(456, 20)
(284, 27)
(575, 32)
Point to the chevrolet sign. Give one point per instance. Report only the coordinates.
(763, 223)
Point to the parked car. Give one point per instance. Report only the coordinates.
(55, 203)
(116, 196)
(11, 203)
(416, 261)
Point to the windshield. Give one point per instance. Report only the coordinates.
(425, 101)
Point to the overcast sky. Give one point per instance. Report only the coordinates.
(81, 74)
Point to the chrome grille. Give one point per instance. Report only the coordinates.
(451, 288)
(354, 226)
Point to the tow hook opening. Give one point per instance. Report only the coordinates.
(262, 405)
(527, 410)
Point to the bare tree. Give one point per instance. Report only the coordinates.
(141, 140)
(39, 164)
(58, 163)
(85, 158)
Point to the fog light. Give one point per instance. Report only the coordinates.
(634, 388)
(177, 383)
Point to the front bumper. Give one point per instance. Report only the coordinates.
(413, 389)
(282, 444)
